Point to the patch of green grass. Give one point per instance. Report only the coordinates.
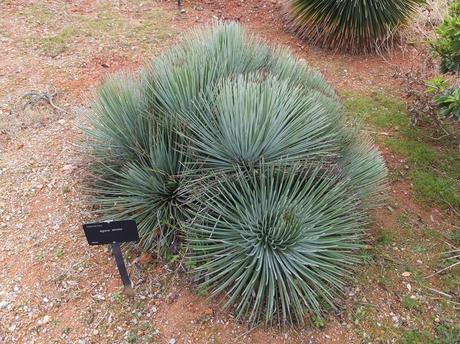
(39, 14)
(417, 153)
(451, 279)
(367, 257)
(433, 171)
(448, 334)
(55, 45)
(415, 337)
(377, 108)
(106, 24)
(152, 29)
(432, 189)
(416, 276)
(455, 236)
(384, 237)
(108, 27)
(420, 248)
(410, 303)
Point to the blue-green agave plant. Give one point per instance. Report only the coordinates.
(358, 26)
(242, 154)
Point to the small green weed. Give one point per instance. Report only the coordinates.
(59, 252)
(359, 314)
(172, 258)
(410, 303)
(117, 297)
(419, 248)
(384, 237)
(404, 220)
(190, 264)
(202, 291)
(318, 321)
(367, 257)
(131, 337)
(65, 189)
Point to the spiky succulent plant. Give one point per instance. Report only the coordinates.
(279, 242)
(138, 170)
(358, 26)
(245, 152)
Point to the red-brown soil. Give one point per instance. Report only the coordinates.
(56, 288)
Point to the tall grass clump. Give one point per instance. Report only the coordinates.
(356, 26)
(240, 154)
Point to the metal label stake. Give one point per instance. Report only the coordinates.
(114, 233)
(116, 250)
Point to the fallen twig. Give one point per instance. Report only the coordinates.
(442, 270)
(247, 332)
(34, 97)
(451, 208)
(440, 292)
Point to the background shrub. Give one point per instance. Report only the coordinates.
(358, 26)
(242, 154)
(447, 45)
(449, 102)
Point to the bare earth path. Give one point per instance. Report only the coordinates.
(55, 288)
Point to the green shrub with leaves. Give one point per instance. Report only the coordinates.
(241, 154)
(449, 102)
(447, 45)
(446, 97)
(357, 26)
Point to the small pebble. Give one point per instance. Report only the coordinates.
(3, 304)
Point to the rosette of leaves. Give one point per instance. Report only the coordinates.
(245, 153)
(357, 26)
(137, 170)
(279, 243)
